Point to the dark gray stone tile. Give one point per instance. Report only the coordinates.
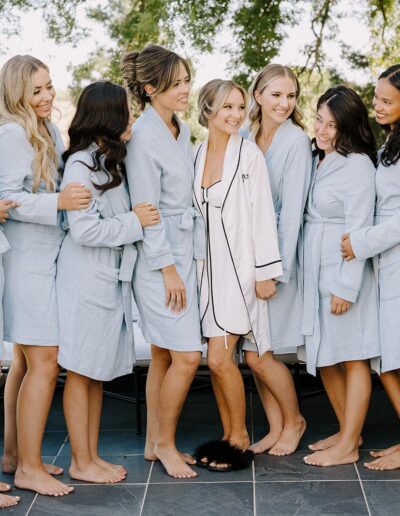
(383, 498)
(368, 474)
(93, 501)
(138, 468)
(118, 414)
(200, 499)
(292, 467)
(23, 505)
(310, 499)
(159, 475)
(116, 442)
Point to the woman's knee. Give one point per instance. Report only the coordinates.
(220, 362)
(190, 361)
(259, 364)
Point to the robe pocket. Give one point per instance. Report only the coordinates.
(389, 281)
(100, 288)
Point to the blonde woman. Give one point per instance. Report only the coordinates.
(30, 146)
(160, 171)
(237, 277)
(275, 125)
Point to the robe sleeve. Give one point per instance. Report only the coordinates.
(295, 183)
(268, 263)
(144, 179)
(373, 240)
(87, 227)
(359, 203)
(15, 166)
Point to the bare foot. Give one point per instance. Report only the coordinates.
(266, 443)
(289, 439)
(150, 455)
(328, 442)
(8, 501)
(241, 442)
(94, 473)
(41, 482)
(386, 462)
(9, 465)
(118, 468)
(387, 451)
(173, 463)
(4, 487)
(332, 457)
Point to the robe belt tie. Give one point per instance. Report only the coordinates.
(4, 245)
(310, 323)
(128, 260)
(190, 219)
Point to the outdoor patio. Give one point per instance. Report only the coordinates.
(274, 486)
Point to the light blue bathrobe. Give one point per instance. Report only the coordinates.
(160, 171)
(35, 235)
(341, 199)
(4, 246)
(94, 278)
(383, 242)
(288, 161)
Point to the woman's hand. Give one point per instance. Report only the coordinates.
(75, 196)
(147, 214)
(266, 289)
(5, 205)
(347, 250)
(338, 305)
(175, 292)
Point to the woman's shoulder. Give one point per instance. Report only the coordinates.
(12, 130)
(294, 134)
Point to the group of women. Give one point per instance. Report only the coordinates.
(251, 241)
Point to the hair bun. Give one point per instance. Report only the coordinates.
(128, 68)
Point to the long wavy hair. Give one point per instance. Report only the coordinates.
(391, 151)
(354, 133)
(154, 65)
(102, 115)
(16, 91)
(260, 82)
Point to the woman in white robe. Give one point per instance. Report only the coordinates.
(94, 273)
(160, 171)
(382, 241)
(30, 149)
(275, 125)
(340, 320)
(236, 278)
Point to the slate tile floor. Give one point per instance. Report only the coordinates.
(274, 486)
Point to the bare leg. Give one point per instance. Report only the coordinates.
(230, 383)
(173, 392)
(274, 375)
(333, 378)
(77, 412)
(390, 457)
(222, 407)
(95, 407)
(15, 376)
(33, 405)
(358, 393)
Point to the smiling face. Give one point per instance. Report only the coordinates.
(176, 98)
(277, 100)
(43, 94)
(386, 103)
(231, 115)
(325, 129)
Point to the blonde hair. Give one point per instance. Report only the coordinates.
(153, 65)
(260, 82)
(212, 97)
(16, 91)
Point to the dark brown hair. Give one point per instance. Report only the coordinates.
(102, 115)
(391, 151)
(153, 65)
(354, 133)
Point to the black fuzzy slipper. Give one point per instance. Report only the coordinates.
(204, 454)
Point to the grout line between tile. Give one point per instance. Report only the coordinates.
(202, 482)
(253, 466)
(146, 488)
(31, 505)
(362, 490)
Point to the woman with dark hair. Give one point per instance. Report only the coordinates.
(94, 273)
(382, 241)
(160, 170)
(340, 320)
